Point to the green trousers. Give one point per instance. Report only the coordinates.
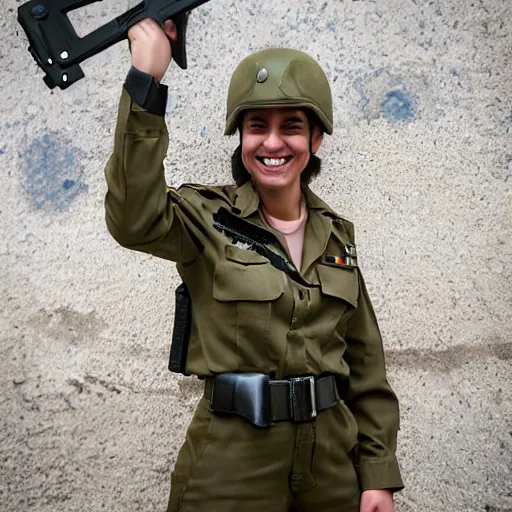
(227, 465)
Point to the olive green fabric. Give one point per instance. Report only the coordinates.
(224, 465)
(290, 78)
(247, 316)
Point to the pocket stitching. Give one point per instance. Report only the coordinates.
(350, 298)
(274, 290)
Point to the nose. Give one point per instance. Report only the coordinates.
(273, 142)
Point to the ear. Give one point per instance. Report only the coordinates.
(316, 139)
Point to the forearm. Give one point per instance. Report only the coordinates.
(376, 413)
(371, 399)
(137, 209)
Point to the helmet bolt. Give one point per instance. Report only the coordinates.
(262, 75)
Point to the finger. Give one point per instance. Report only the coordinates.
(366, 506)
(148, 26)
(137, 31)
(134, 34)
(171, 31)
(169, 25)
(143, 29)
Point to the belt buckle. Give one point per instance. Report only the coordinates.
(303, 398)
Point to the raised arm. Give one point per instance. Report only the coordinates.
(141, 211)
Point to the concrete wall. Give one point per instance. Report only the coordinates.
(421, 161)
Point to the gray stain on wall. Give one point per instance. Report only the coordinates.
(54, 172)
(449, 359)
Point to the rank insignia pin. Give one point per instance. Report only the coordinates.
(334, 259)
(350, 257)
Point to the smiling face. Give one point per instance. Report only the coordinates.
(275, 146)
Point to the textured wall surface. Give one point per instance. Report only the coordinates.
(420, 160)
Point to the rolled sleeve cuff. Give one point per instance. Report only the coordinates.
(380, 475)
(146, 92)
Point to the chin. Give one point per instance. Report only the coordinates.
(273, 182)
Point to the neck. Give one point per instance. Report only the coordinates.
(283, 204)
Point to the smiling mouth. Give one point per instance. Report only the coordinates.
(273, 162)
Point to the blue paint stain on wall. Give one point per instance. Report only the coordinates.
(509, 118)
(3, 149)
(54, 172)
(203, 132)
(359, 87)
(397, 107)
(385, 95)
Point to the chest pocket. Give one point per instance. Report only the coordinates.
(339, 281)
(247, 287)
(245, 275)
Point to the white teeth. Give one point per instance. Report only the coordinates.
(274, 162)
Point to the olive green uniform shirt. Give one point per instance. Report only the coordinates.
(248, 316)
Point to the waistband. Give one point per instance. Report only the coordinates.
(293, 399)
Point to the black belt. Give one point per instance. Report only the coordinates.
(264, 401)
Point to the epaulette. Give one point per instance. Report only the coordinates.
(212, 191)
(343, 225)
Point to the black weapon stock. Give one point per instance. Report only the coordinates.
(57, 49)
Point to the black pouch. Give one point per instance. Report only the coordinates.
(243, 394)
(181, 331)
(342, 386)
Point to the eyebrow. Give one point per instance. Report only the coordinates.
(291, 119)
(294, 119)
(256, 118)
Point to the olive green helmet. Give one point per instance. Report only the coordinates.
(279, 77)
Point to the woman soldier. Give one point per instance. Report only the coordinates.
(297, 412)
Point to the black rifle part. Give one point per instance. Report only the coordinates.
(257, 239)
(58, 50)
(181, 332)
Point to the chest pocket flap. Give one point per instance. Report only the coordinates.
(339, 281)
(245, 275)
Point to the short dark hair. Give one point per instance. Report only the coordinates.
(312, 169)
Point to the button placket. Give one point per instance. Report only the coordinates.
(300, 308)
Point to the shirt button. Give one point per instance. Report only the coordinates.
(301, 294)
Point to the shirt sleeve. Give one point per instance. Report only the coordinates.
(371, 399)
(142, 213)
(146, 91)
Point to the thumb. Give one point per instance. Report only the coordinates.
(367, 505)
(171, 31)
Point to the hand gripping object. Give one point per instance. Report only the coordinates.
(57, 49)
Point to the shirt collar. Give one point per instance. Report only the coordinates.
(248, 200)
(315, 203)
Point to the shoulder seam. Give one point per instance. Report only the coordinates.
(217, 190)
